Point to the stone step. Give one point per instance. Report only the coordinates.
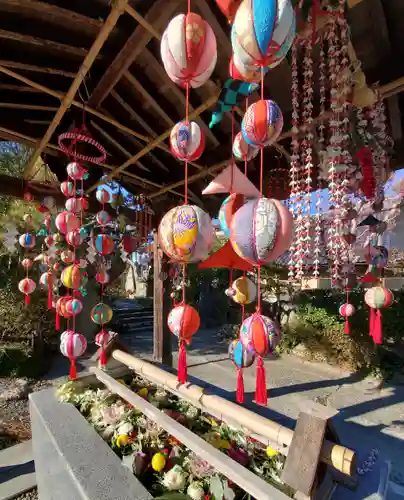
(17, 470)
(137, 329)
(134, 317)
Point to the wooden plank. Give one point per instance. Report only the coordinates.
(395, 118)
(58, 16)
(117, 145)
(46, 45)
(36, 69)
(108, 26)
(158, 15)
(247, 480)
(162, 351)
(18, 88)
(31, 107)
(304, 453)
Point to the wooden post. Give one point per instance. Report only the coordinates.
(162, 351)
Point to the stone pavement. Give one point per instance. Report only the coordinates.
(368, 419)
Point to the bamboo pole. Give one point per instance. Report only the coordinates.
(142, 21)
(203, 107)
(117, 9)
(343, 459)
(88, 109)
(36, 69)
(245, 479)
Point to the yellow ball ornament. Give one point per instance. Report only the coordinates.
(143, 392)
(122, 440)
(158, 462)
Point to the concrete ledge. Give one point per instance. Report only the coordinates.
(72, 461)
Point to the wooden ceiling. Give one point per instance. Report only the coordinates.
(130, 103)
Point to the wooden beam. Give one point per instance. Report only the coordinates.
(157, 68)
(36, 69)
(32, 107)
(58, 16)
(203, 107)
(108, 26)
(395, 118)
(18, 88)
(148, 98)
(158, 14)
(41, 43)
(38, 122)
(88, 109)
(142, 21)
(116, 144)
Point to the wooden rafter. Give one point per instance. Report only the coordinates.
(30, 107)
(108, 26)
(49, 45)
(18, 88)
(117, 145)
(203, 107)
(58, 16)
(159, 14)
(88, 109)
(36, 69)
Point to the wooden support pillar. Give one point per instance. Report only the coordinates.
(162, 347)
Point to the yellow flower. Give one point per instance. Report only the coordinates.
(194, 32)
(143, 392)
(213, 423)
(271, 453)
(122, 440)
(121, 381)
(224, 444)
(158, 462)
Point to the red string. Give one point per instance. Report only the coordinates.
(187, 122)
(189, 6)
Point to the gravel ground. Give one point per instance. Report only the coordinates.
(29, 495)
(14, 410)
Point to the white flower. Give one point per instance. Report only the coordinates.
(195, 491)
(108, 432)
(125, 429)
(174, 479)
(113, 414)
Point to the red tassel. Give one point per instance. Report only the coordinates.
(103, 357)
(240, 386)
(347, 327)
(377, 327)
(73, 373)
(50, 296)
(261, 386)
(57, 321)
(371, 321)
(27, 299)
(182, 364)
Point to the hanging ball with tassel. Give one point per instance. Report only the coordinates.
(27, 286)
(245, 291)
(377, 298)
(243, 151)
(75, 171)
(346, 311)
(183, 321)
(73, 345)
(227, 209)
(103, 195)
(262, 123)
(261, 333)
(27, 240)
(67, 222)
(67, 188)
(187, 141)
(242, 357)
(74, 306)
(101, 314)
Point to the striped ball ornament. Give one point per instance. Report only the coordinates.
(187, 141)
(346, 310)
(379, 297)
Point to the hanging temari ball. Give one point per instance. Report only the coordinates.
(183, 321)
(261, 230)
(262, 123)
(186, 233)
(377, 298)
(73, 277)
(27, 240)
(27, 263)
(188, 50)
(187, 141)
(74, 307)
(103, 196)
(75, 171)
(228, 208)
(67, 188)
(243, 151)
(242, 357)
(261, 333)
(346, 311)
(27, 286)
(103, 244)
(74, 238)
(245, 291)
(73, 345)
(67, 222)
(101, 314)
(103, 217)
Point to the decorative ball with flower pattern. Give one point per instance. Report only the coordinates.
(183, 321)
(245, 291)
(103, 244)
(261, 230)
(67, 222)
(262, 123)
(242, 356)
(101, 314)
(186, 233)
(187, 141)
(260, 30)
(243, 151)
(75, 171)
(188, 50)
(73, 277)
(261, 333)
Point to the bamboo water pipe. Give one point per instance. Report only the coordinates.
(247, 480)
(339, 457)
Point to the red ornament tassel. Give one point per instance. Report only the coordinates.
(27, 299)
(182, 363)
(347, 326)
(240, 386)
(261, 397)
(103, 357)
(57, 321)
(371, 321)
(73, 372)
(377, 327)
